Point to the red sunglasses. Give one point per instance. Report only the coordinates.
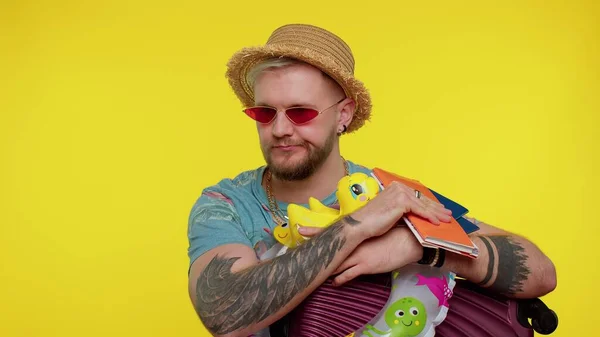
(297, 115)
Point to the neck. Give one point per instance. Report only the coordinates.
(319, 185)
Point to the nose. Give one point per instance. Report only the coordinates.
(282, 126)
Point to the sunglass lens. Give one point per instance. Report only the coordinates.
(301, 115)
(261, 114)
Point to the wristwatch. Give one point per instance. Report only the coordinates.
(428, 255)
(433, 257)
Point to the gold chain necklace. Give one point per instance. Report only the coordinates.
(273, 207)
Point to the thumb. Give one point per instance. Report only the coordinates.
(348, 262)
(348, 275)
(309, 231)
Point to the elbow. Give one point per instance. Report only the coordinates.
(214, 333)
(219, 335)
(220, 324)
(232, 334)
(218, 330)
(548, 281)
(550, 284)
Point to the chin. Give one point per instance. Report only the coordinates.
(288, 163)
(291, 168)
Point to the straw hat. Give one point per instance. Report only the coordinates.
(312, 45)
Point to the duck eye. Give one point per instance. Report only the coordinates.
(284, 225)
(399, 313)
(357, 189)
(414, 311)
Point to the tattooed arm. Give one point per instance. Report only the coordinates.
(507, 264)
(236, 295)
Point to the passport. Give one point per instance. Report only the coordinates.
(451, 235)
(458, 211)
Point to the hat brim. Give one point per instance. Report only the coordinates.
(245, 59)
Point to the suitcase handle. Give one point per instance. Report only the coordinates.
(543, 320)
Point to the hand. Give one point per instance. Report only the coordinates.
(381, 213)
(381, 254)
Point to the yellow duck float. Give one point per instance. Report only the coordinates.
(353, 192)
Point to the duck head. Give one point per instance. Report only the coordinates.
(355, 190)
(283, 234)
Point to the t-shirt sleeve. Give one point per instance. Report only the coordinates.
(213, 221)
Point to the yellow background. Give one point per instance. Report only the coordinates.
(115, 114)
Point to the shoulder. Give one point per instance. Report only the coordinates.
(244, 179)
(356, 167)
(242, 182)
(227, 192)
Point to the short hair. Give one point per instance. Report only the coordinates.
(273, 63)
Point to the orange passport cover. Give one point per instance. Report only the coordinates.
(446, 231)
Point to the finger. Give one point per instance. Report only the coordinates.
(429, 201)
(419, 207)
(436, 208)
(444, 216)
(309, 231)
(347, 275)
(439, 206)
(441, 213)
(348, 263)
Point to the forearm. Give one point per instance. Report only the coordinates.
(507, 264)
(240, 303)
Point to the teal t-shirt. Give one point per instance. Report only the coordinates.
(236, 211)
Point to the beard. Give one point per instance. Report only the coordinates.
(311, 162)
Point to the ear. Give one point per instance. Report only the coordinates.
(346, 113)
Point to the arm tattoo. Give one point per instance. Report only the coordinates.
(491, 262)
(351, 221)
(507, 264)
(228, 302)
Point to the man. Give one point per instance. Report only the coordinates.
(301, 91)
